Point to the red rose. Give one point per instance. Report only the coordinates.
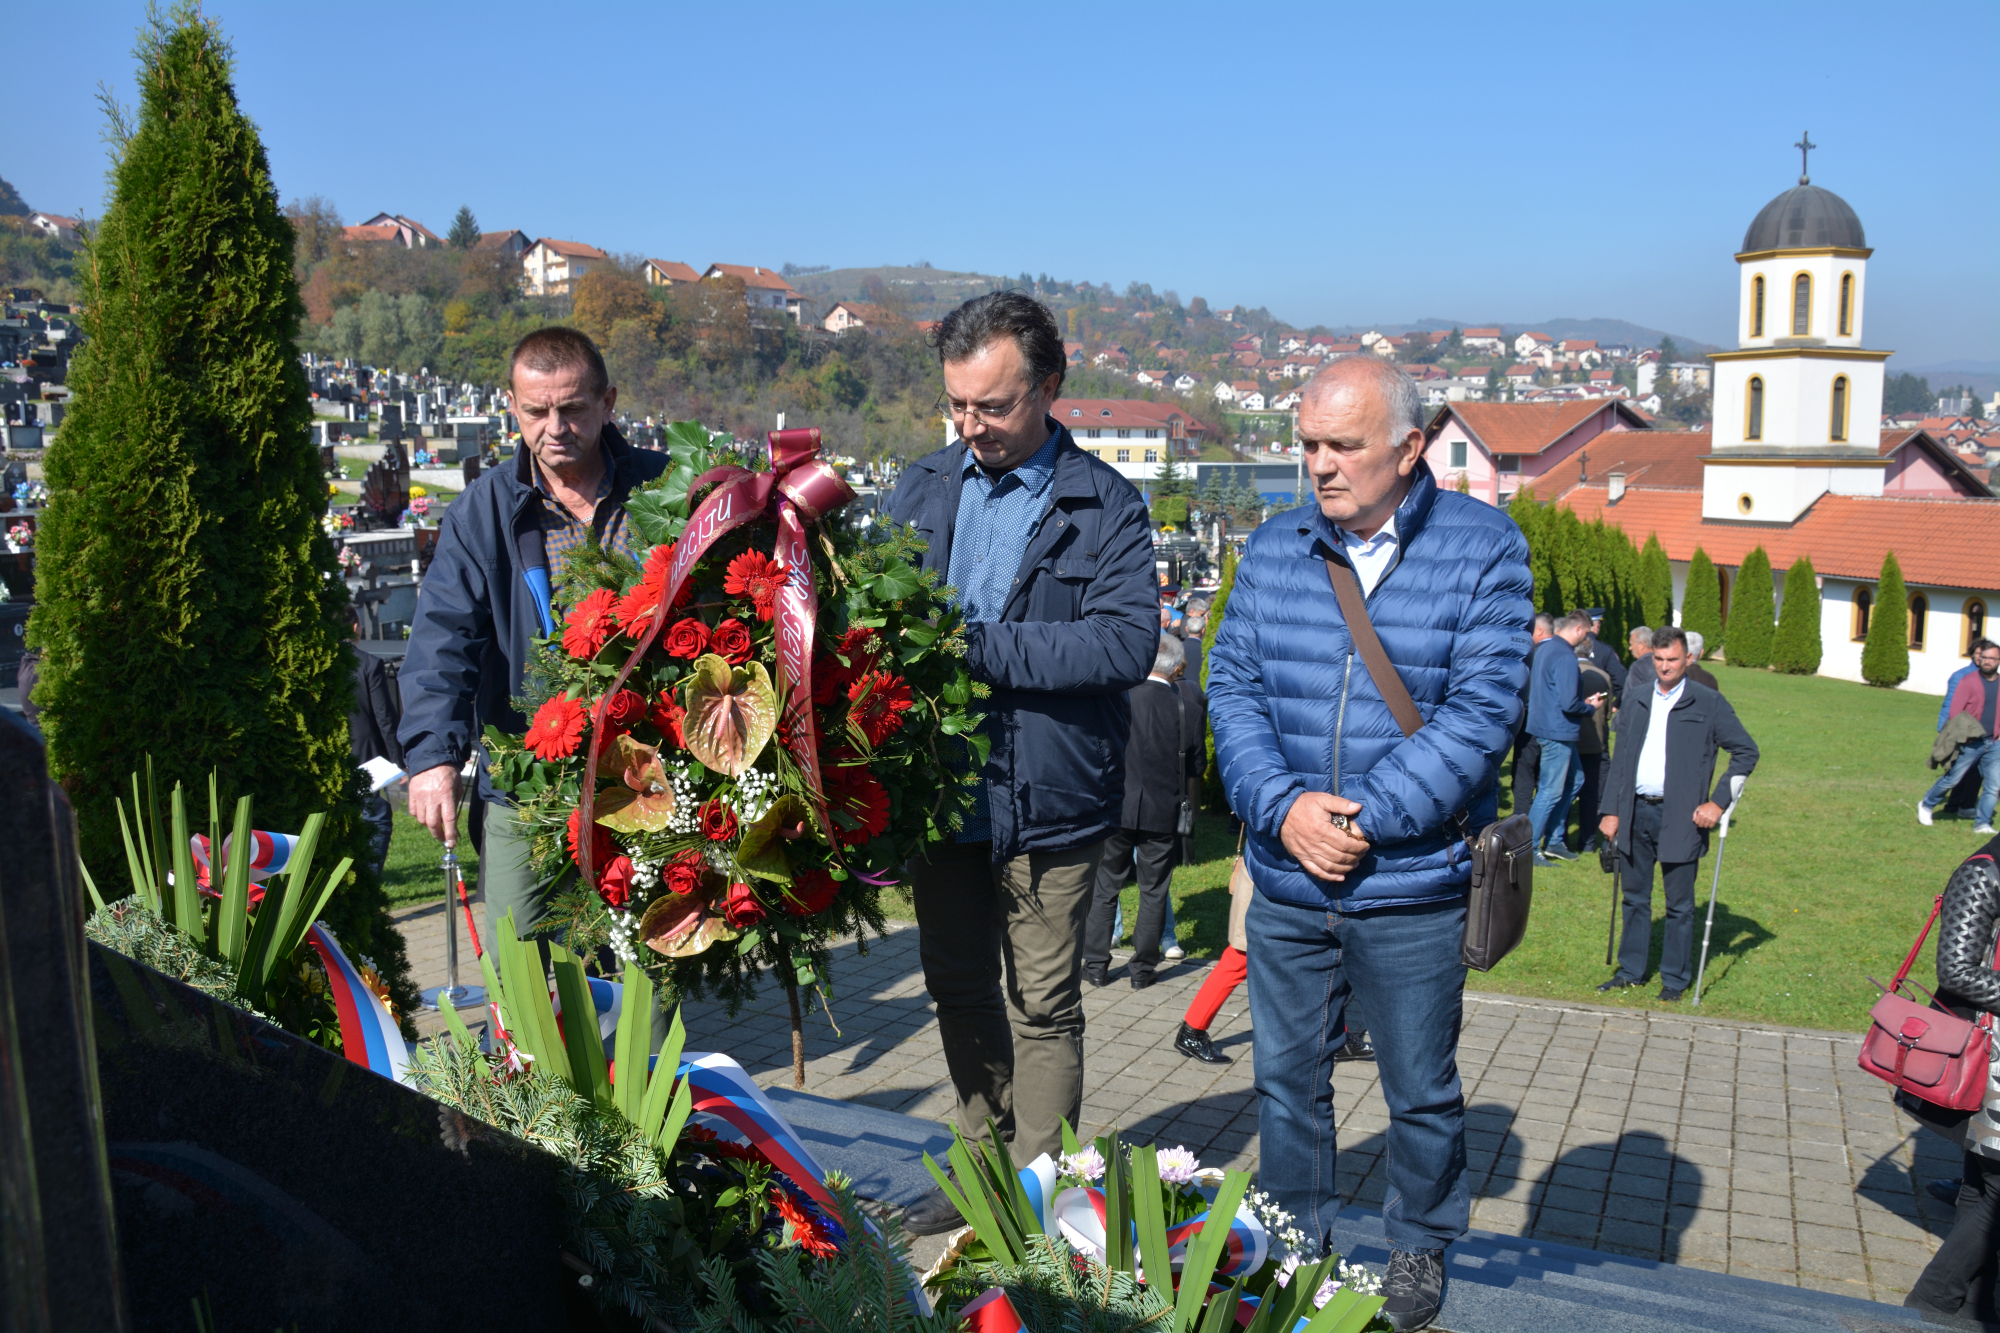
(812, 893)
(624, 710)
(757, 577)
(687, 638)
(731, 640)
(666, 715)
(589, 623)
(682, 875)
(614, 885)
(718, 821)
(741, 907)
(557, 729)
(603, 847)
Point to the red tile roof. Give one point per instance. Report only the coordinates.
(672, 270)
(1938, 543)
(384, 233)
(1479, 333)
(1655, 459)
(1522, 370)
(753, 276)
(573, 249)
(1529, 428)
(497, 240)
(1120, 414)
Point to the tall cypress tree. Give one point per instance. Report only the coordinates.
(1534, 520)
(1656, 584)
(1751, 613)
(187, 599)
(1701, 603)
(1885, 657)
(1796, 648)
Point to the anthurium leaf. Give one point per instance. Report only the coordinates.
(731, 713)
(762, 851)
(681, 927)
(645, 803)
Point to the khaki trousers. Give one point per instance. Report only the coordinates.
(1002, 949)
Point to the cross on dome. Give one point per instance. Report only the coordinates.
(1805, 145)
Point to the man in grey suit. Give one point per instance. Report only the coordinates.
(1658, 808)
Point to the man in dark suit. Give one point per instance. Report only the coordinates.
(1605, 656)
(371, 734)
(1163, 751)
(1658, 808)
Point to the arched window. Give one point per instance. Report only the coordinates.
(1757, 306)
(1920, 611)
(1837, 427)
(1864, 602)
(1975, 626)
(1846, 305)
(1753, 414)
(1801, 305)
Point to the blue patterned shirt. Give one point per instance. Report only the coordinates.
(997, 518)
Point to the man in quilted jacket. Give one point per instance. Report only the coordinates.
(1354, 831)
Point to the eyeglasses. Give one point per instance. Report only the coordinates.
(992, 416)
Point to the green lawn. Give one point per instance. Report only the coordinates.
(412, 873)
(1827, 880)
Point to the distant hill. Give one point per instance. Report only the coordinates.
(1982, 377)
(1603, 330)
(924, 293)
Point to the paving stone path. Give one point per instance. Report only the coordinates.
(1758, 1151)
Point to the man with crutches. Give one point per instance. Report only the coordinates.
(1658, 807)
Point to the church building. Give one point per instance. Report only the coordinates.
(1797, 460)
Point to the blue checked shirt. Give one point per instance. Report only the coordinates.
(997, 518)
(563, 532)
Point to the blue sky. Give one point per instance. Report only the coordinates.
(1338, 163)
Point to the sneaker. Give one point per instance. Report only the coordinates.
(1543, 862)
(1414, 1287)
(1923, 814)
(1986, 829)
(1358, 1048)
(1174, 952)
(1560, 851)
(932, 1215)
(1194, 1043)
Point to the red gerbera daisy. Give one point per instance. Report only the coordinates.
(636, 607)
(557, 729)
(855, 793)
(589, 623)
(603, 847)
(879, 701)
(806, 1229)
(757, 577)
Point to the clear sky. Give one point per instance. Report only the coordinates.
(1338, 163)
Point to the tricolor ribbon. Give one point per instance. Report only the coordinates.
(368, 1033)
(722, 1090)
(1038, 1179)
(800, 488)
(1079, 1214)
(991, 1312)
(270, 854)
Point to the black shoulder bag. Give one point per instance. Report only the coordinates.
(1502, 853)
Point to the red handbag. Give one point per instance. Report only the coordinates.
(1926, 1051)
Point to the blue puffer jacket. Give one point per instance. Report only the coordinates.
(1081, 627)
(1295, 710)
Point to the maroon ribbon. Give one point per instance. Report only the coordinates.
(800, 488)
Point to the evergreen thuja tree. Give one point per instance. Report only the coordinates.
(1212, 795)
(187, 599)
(1751, 613)
(1656, 584)
(1701, 603)
(1885, 657)
(1796, 649)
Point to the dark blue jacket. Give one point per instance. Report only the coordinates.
(1295, 710)
(477, 611)
(1081, 627)
(1555, 702)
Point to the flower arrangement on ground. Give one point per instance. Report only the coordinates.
(741, 733)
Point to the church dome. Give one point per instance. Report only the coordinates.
(1805, 217)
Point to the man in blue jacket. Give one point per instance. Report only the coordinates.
(502, 549)
(1557, 707)
(1051, 555)
(1369, 905)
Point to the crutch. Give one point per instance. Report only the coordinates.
(451, 993)
(1722, 831)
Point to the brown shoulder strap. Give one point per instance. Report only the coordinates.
(1394, 693)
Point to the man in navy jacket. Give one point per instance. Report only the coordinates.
(1557, 706)
(1372, 904)
(1050, 554)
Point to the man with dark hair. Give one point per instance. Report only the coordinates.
(1977, 698)
(1354, 841)
(1657, 807)
(494, 584)
(1051, 556)
(1559, 706)
(1605, 656)
(1527, 761)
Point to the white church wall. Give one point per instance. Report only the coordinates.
(1930, 666)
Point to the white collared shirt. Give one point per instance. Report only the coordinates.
(1650, 779)
(1371, 556)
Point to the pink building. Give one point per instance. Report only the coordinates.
(1494, 449)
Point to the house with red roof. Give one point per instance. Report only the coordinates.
(551, 267)
(668, 273)
(1498, 448)
(1132, 434)
(1483, 340)
(512, 244)
(406, 232)
(56, 227)
(763, 289)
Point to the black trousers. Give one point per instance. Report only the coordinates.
(380, 817)
(1636, 943)
(1527, 767)
(1155, 854)
(1973, 1245)
(1594, 768)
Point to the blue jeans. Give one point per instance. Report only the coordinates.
(1986, 754)
(1168, 939)
(1402, 963)
(1556, 785)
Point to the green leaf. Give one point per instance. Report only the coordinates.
(1205, 1250)
(234, 910)
(186, 915)
(958, 690)
(920, 634)
(651, 514)
(1150, 1215)
(897, 582)
(583, 1040)
(635, 1017)
(762, 851)
(96, 898)
(660, 1087)
(731, 714)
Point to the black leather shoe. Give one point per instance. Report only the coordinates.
(1096, 976)
(1195, 1045)
(1617, 983)
(1141, 982)
(932, 1215)
(1945, 1191)
(1414, 1287)
(1670, 995)
(1358, 1048)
